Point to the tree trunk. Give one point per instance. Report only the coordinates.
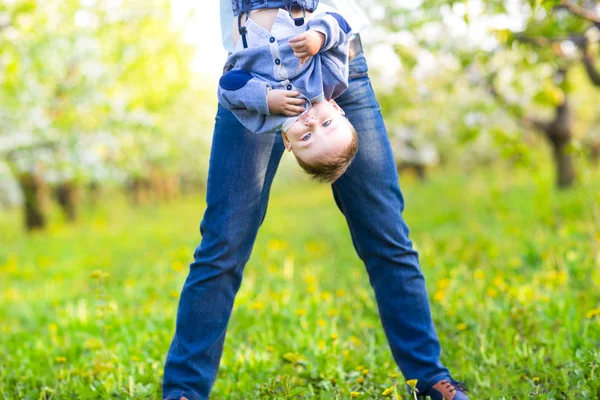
(172, 186)
(35, 201)
(95, 193)
(595, 152)
(560, 134)
(565, 168)
(421, 172)
(68, 195)
(157, 184)
(140, 189)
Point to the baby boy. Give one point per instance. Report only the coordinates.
(284, 75)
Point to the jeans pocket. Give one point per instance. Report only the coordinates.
(357, 67)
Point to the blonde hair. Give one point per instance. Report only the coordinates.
(330, 169)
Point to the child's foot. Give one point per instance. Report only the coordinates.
(446, 390)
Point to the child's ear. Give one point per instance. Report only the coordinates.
(286, 141)
(336, 106)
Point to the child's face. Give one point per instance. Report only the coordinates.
(320, 133)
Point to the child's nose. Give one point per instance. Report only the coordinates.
(309, 121)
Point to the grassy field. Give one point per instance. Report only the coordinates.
(512, 267)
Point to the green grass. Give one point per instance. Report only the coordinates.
(512, 266)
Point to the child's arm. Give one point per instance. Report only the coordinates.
(325, 32)
(238, 89)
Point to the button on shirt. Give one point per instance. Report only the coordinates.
(270, 64)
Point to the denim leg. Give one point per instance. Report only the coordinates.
(369, 196)
(241, 170)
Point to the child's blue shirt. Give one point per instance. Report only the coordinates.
(269, 63)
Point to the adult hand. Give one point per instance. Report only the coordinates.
(285, 102)
(307, 44)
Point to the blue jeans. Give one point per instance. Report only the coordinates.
(242, 167)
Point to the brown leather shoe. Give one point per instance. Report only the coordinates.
(446, 390)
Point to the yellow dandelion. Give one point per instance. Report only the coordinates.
(388, 392)
(412, 383)
(499, 283)
(439, 295)
(60, 359)
(270, 349)
(515, 262)
(53, 327)
(360, 368)
(334, 336)
(491, 292)
(443, 284)
(536, 380)
(321, 323)
(177, 266)
(592, 313)
(346, 353)
(311, 289)
(332, 312)
(462, 326)
(258, 305)
(545, 298)
(275, 244)
(479, 275)
(340, 293)
(301, 311)
(360, 380)
(354, 394)
(12, 294)
(365, 372)
(394, 375)
(321, 344)
(99, 275)
(325, 296)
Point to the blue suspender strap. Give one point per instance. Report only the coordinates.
(243, 31)
(288, 5)
(246, 8)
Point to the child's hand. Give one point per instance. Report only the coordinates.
(285, 102)
(307, 44)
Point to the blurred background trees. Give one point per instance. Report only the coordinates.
(477, 77)
(95, 92)
(99, 94)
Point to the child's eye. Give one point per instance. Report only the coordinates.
(327, 123)
(306, 137)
